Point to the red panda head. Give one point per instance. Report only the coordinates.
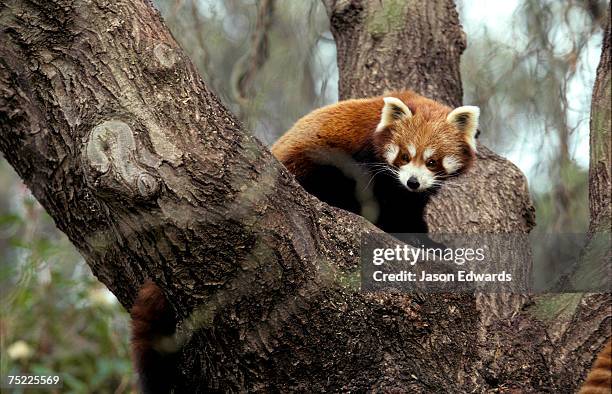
(428, 146)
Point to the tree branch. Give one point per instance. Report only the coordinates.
(150, 176)
(249, 65)
(111, 128)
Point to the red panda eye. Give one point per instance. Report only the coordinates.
(406, 157)
(431, 163)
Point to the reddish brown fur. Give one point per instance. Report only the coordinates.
(349, 125)
(599, 380)
(152, 323)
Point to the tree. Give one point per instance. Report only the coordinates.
(150, 176)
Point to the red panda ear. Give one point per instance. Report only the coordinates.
(393, 110)
(466, 120)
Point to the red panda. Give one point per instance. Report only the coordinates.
(154, 352)
(380, 157)
(599, 380)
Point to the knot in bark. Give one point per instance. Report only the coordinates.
(111, 162)
(147, 185)
(165, 56)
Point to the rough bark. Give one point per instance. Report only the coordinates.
(110, 126)
(599, 166)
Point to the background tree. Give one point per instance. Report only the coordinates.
(151, 177)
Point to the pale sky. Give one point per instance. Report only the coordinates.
(496, 17)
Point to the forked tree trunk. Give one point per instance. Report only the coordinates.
(149, 175)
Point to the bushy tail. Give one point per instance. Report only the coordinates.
(599, 380)
(153, 345)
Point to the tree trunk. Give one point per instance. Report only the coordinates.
(599, 166)
(584, 332)
(149, 175)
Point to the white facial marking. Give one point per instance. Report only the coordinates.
(451, 164)
(412, 150)
(421, 173)
(391, 152)
(427, 153)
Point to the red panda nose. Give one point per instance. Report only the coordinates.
(413, 183)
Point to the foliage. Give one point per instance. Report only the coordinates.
(56, 318)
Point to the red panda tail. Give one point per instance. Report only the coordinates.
(153, 344)
(599, 380)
